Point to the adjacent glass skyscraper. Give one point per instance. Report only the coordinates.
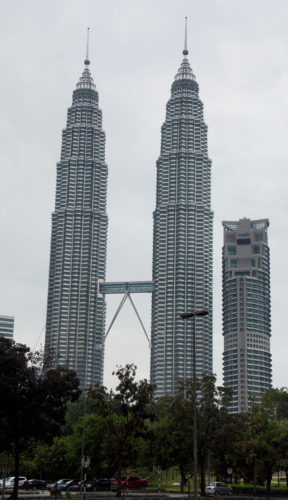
(246, 311)
(7, 326)
(182, 240)
(75, 313)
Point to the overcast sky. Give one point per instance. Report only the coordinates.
(238, 50)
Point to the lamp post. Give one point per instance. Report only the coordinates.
(186, 316)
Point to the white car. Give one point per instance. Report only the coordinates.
(218, 488)
(59, 485)
(9, 483)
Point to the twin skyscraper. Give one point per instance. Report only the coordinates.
(182, 240)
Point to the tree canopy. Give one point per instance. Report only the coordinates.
(43, 421)
(33, 401)
(126, 413)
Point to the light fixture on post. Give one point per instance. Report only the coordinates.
(186, 316)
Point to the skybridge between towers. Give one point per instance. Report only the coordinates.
(126, 289)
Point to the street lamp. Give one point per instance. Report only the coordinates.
(186, 316)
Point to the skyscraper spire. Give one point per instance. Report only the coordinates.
(185, 51)
(185, 71)
(86, 80)
(87, 61)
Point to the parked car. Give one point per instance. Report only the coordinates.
(79, 486)
(130, 482)
(67, 485)
(218, 488)
(9, 483)
(60, 484)
(92, 485)
(76, 486)
(34, 484)
(101, 484)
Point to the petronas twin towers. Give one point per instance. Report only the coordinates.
(182, 248)
(75, 313)
(182, 240)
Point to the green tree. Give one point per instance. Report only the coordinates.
(95, 440)
(227, 445)
(64, 454)
(211, 412)
(263, 444)
(85, 405)
(33, 403)
(126, 413)
(173, 444)
(283, 462)
(252, 444)
(173, 431)
(277, 401)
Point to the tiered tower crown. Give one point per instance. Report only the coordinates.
(86, 80)
(185, 71)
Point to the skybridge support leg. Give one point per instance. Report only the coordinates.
(140, 321)
(116, 314)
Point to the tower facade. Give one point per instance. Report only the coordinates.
(246, 311)
(7, 326)
(75, 313)
(182, 240)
